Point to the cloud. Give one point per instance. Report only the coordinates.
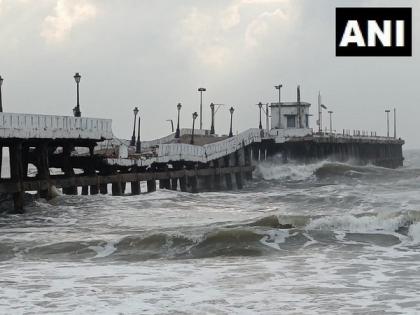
(231, 17)
(67, 15)
(259, 27)
(201, 33)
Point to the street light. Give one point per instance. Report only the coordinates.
(76, 110)
(330, 112)
(133, 137)
(201, 90)
(260, 106)
(1, 100)
(278, 87)
(177, 133)
(231, 110)
(212, 119)
(138, 143)
(194, 116)
(387, 122)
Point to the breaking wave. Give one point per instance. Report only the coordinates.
(276, 169)
(262, 236)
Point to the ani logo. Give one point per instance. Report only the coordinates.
(373, 32)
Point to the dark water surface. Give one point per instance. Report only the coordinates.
(299, 239)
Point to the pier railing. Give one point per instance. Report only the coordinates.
(26, 126)
(208, 152)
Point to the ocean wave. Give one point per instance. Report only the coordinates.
(262, 236)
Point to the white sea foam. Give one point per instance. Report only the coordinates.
(363, 224)
(276, 169)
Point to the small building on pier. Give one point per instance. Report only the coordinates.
(289, 115)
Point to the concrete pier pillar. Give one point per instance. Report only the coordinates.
(123, 187)
(151, 185)
(248, 162)
(183, 183)
(1, 158)
(193, 183)
(218, 178)
(94, 189)
(43, 170)
(68, 171)
(165, 184)
(16, 174)
(116, 189)
(135, 188)
(174, 183)
(103, 189)
(135, 185)
(85, 190)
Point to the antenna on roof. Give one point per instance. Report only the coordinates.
(298, 93)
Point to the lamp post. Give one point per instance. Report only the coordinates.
(387, 122)
(212, 119)
(330, 112)
(76, 110)
(260, 106)
(133, 137)
(231, 110)
(138, 143)
(201, 90)
(278, 87)
(1, 98)
(177, 133)
(194, 116)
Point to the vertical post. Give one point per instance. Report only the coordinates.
(299, 107)
(151, 185)
(212, 119)
(116, 189)
(387, 122)
(231, 110)
(330, 112)
(194, 115)
(201, 90)
(43, 169)
(174, 184)
(133, 137)
(138, 143)
(319, 113)
(76, 110)
(177, 133)
(85, 190)
(228, 176)
(68, 169)
(1, 97)
(183, 183)
(395, 123)
(267, 124)
(16, 172)
(135, 185)
(260, 107)
(278, 87)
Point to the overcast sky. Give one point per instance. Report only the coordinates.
(156, 53)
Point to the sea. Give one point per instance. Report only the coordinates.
(318, 238)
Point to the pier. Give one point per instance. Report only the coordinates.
(81, 155)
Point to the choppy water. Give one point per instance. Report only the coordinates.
(300, 239)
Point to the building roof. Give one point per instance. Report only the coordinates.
(290, 104)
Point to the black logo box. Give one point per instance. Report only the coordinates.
(362, 15)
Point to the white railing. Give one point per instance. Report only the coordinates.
(208, 152)
(27, 126)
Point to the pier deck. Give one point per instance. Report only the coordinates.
(90, 157)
